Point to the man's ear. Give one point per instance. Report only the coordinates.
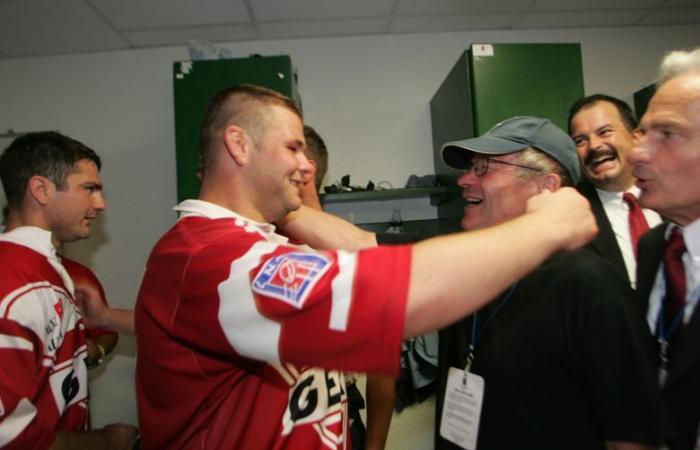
(40, 189)
(549, 181)
(238, 144)
(309, 175)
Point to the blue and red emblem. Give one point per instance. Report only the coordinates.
(291, 277)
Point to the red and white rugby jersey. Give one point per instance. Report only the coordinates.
(43, 378)
(81, 274)
(232, 324)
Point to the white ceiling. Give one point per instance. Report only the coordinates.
(50, 27)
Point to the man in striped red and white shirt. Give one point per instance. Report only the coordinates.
(54, 193)
(242, 336)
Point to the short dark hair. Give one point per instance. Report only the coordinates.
(317, 152)
(243, 105)
(48, 154)
(626, 114)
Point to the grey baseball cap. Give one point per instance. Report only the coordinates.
(512, 135)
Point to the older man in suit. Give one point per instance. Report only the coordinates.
(602, 126)
(666, 160)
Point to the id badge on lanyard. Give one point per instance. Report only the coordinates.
(461, 409)
(464, 394)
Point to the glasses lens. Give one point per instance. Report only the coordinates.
(480, 166)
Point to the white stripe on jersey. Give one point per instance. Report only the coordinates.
(17, 421)
(342, 291)
(7, 301)
(70, 362)
(15, 342)
(249, 332)
(34, 306)
(329, 438)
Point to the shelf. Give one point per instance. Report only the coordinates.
(420, 229)
(437, 194)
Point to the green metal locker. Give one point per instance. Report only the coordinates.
(492, 82)
(196, 82)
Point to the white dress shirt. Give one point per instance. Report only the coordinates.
(617, 211)
(691, 263)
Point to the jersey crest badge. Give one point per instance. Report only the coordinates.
(291, 277)
(58, 307)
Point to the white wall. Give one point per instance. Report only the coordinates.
(368, 96)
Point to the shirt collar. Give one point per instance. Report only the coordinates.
(610, 196)
(201, 208)
(35, 238)
(691, 237)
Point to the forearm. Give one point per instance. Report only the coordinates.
(452, 276)
(120, 320)
(380, 408)
(116, 319)
(325, 231)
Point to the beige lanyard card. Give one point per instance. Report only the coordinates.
(461, 409)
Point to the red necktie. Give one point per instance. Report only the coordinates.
(637, 222)
(674, 272)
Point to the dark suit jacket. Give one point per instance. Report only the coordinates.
(682, 390)
(605, 243)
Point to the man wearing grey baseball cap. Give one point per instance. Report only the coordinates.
(515, 134)
(562, 357)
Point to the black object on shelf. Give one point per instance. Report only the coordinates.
(415, 229)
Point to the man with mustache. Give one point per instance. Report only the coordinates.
(602, 126)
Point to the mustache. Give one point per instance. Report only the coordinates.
(595, 154)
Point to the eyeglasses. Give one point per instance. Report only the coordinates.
(481, 166)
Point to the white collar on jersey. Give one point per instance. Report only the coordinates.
(35, 238)
(209, 210)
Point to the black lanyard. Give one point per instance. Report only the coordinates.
(471, 348)
(663, 337)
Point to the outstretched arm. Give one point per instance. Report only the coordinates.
(474, 267)
(324, 231)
